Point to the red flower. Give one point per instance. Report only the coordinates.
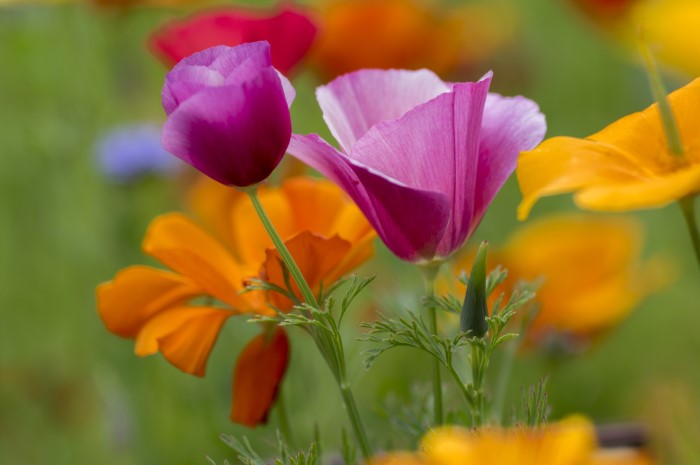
(290, 33)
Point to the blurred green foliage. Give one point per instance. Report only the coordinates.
(71, 393)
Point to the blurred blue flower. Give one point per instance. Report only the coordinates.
(129, 152)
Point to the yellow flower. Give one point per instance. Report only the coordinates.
(589, 267)
(625, 166)
(323, 230)
(571, 441)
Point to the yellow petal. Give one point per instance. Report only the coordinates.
(257, 376)
(136, 294)
(648, 193)
(568, 442)
(183, 246)
(566, 164)
(625, 166)
(184, 335)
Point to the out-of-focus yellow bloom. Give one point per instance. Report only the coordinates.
(589, 267)
(406, 34)
(625, 166)
(670, 27)
(324, 231)
(571, 441)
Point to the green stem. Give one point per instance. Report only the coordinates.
(673, 137)
(283, 420)
(688, 208)
(331, 347)
(429, 275)
(478, 381)
(462, 387)
(355, 420)
(284, 252)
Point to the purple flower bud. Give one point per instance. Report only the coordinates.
(228, 113)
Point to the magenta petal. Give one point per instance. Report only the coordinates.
(412, 220)
(234, 134)
(355, 102)
(433, 147)
(511, 125)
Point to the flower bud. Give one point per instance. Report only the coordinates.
(474, 309)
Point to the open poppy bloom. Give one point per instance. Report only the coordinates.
(404, 34)
(289, 31)
(625, 166)
(589, 272)
(421, 158)
(571, 441)
(155, 307)
(228, 113)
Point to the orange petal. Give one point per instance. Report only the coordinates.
(251, 238)
(211, 202)
(257, 376)
(184, 335)
(183, 246)
(316, 257)
(592, 276)
(315, 204)
(136, 294)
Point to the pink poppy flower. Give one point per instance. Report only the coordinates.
(422, 158)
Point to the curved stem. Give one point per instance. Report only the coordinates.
(355, 420)
(282, 249)
(688, 208)
(429, 274)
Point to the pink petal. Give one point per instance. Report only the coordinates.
(511, 125)
(433, 147)
(355, 102)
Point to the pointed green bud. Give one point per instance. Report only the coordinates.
(474, 309)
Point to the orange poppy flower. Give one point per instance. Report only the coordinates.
(571, 441)
(325, 233)
(405, 34)
(589, 268)
(625, 166)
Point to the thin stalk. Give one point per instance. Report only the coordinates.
(283, 420)
(673, 137)
(355, 420)
(688, 208)
(429, 274)
(462, 387)
(284, 252)
(478, 380)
